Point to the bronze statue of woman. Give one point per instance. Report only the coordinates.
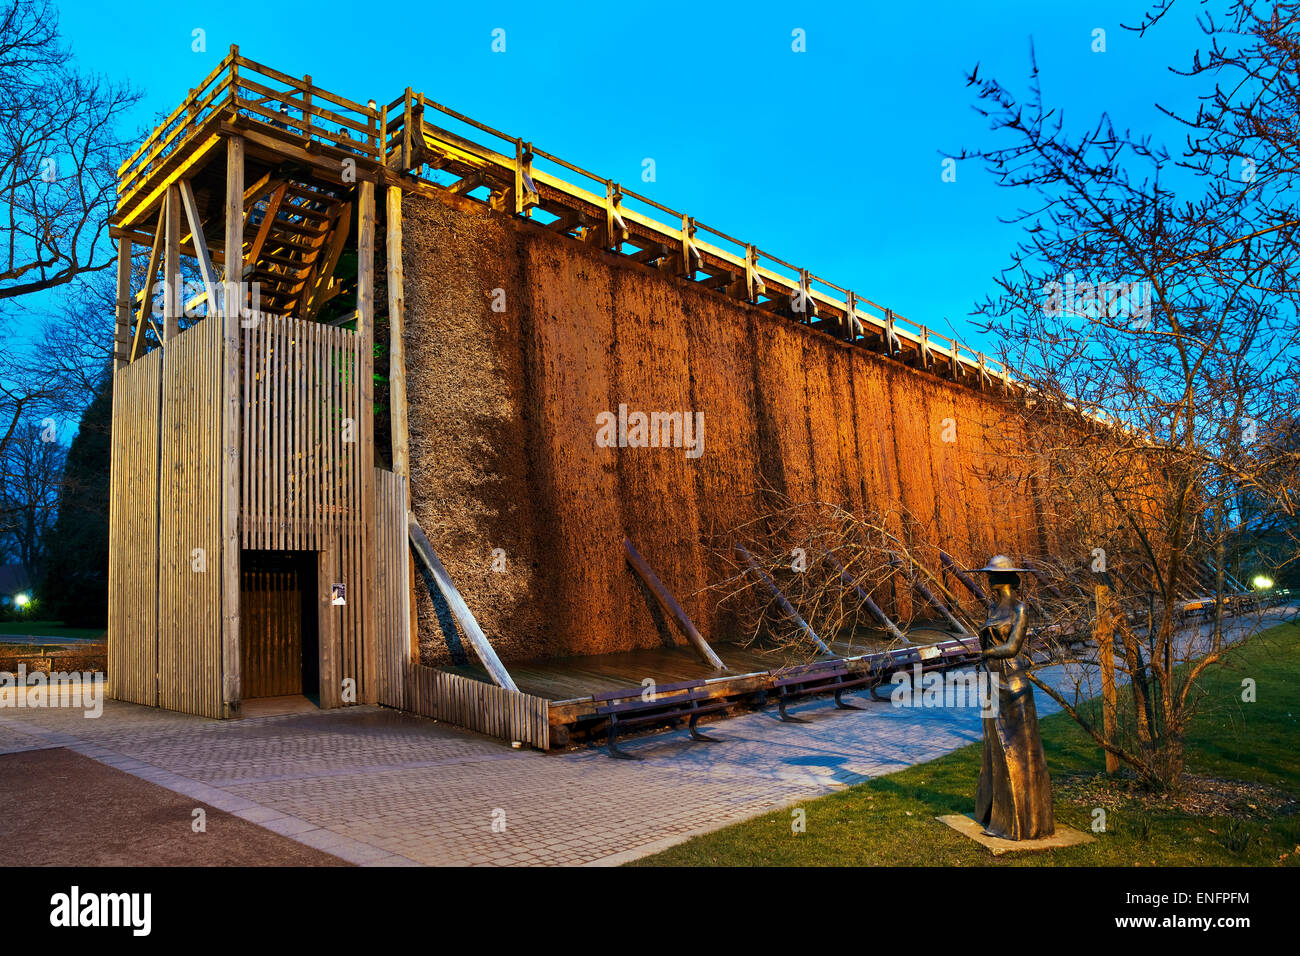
(1014, 797)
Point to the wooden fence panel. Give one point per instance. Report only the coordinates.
(133, 544)
(189, 579)
(507, 714)
(301, 430)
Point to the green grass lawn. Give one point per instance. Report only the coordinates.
(891, 820)
(47, 629)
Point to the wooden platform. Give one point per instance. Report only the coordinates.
(561, 679)
(566, 679)
(570, 682)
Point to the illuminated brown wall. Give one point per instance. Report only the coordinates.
(503, 409)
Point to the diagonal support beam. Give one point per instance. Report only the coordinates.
(920, 588)
(890, 627)
(670, 605)
(200, 246)
(967, 581)
(781, 600)
(482, 647)
(319, 290)
(264, 230)
(150, 276)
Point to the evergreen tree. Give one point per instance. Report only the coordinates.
(74, 588)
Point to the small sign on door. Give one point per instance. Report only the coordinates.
(338, 594)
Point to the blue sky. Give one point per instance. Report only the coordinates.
(829, 159)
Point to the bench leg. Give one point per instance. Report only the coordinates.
(875, 690)
(613, 747)
(696, 735)
(840, 705)
(786, 717)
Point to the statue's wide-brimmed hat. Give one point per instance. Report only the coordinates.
(1000, 562)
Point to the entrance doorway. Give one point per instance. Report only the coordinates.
(278, 633)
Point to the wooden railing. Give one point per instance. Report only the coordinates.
(243, 87)
(210, 96)
(304, 110)
(407, 119)
(395, 135)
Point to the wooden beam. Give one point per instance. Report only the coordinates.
(396, 343)
(146, 296)
(967, 581)
(890, 627)
(200, 244)
(172, 266)
(191, 163)
(231, 299)
(367, 685)
(920, 587)
(329, 628)
(781, 600)
(318, 293)
(304, 299)
(325, 160)
(467, 184)
(122, 326)
(264, 230)
(670, 605)
(459, 609)
(265, 183)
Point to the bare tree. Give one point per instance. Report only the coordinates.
(854, 580)
(1150, 311)
(59, 151)
(32, 469)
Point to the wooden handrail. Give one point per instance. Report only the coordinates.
(235, 73)
(906, 330)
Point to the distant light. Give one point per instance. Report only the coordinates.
(22, 600)
(1262, 582)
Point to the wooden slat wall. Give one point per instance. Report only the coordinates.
(391, 593)
(299, 486)
(492, 710)
(300, 481)
(189, 626)
(133, 544)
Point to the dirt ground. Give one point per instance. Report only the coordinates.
(62, 809)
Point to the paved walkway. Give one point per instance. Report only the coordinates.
(377, 787)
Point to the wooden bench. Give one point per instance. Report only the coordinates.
(931, 657)
(822, 677)
(957, 651)
(631, 706)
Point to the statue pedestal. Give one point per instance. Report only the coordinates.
(968, 827)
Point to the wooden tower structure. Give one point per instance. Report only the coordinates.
(258, 547)
(244, 491)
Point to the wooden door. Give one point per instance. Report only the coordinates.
(272, 623)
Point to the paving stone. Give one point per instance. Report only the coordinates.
(378, 787)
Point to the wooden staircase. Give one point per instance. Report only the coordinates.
(297, 228)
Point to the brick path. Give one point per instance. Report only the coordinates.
(377, 787)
